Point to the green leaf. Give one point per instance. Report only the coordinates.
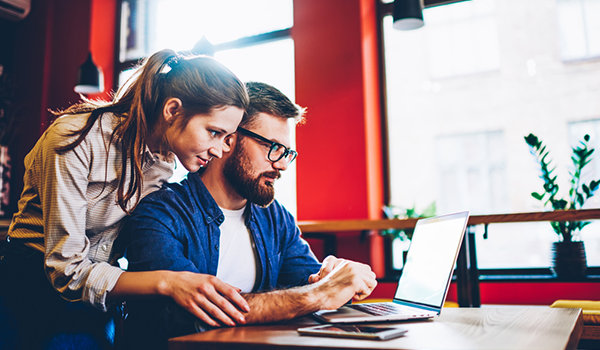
(537, 196)
(589, 153)
(580, 199)
(556, 228)
(586, 137)
(586, 190)
(531, 140)
(584, 224)
(430, 210)
(560, 204)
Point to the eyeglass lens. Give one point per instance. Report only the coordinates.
(279, 151)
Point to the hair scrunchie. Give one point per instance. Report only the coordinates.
(173, 60)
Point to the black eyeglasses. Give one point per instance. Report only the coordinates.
(276, 150)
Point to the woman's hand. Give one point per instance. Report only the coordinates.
(206, 297)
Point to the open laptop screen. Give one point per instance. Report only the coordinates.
(431, 259)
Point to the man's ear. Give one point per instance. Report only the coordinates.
(171, 108)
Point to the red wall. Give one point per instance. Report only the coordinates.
(332, 176)
(339, 171)
(51, 43)
(102, 41)
(516, 293)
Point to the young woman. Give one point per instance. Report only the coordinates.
(85, 174)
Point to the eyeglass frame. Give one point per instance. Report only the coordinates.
(272, 146)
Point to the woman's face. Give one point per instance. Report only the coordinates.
(205, 136)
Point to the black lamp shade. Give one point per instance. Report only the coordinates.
(90, 79)
(408, 14)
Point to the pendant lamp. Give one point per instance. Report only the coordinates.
(408, 14)
(204, 47)
(90, 79)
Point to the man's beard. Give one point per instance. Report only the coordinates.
(237, 169)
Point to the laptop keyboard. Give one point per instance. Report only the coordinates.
(378, 309)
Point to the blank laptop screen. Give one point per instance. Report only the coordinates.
(430, 260)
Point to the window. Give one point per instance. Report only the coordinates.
(250, 37)
(472, 171)
(579, 29)
(464, 90)
(152, 25)
(462, 39)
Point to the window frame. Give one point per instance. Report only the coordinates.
(121, 66)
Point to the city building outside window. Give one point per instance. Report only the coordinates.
(464, 90)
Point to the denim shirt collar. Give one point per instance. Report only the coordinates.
(210, 210)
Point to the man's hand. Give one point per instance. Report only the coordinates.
(208, 298)
(347, 280)
(328, 264)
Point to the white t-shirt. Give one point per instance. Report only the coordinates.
(237, 262)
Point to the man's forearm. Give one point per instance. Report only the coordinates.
(346, 281)
(280, 305)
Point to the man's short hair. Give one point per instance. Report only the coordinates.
(265, 98)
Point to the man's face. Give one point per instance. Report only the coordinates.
(248, 168)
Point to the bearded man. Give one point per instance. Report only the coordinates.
(223, 222)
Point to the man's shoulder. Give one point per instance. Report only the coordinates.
(183, 189)
(171, 196)
(275, 208)
(275, 214)
(167, 193)
(178, 197)
(162, 210)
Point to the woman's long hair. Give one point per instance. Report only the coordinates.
(200, 82)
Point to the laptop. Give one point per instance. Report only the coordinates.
(425, 279)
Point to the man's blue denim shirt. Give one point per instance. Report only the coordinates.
(177, 228)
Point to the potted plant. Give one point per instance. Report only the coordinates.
(569, 261)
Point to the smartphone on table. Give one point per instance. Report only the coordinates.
(350, 331)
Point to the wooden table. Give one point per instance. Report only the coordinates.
(460, 328)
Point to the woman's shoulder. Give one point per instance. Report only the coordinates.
(69, 122)
(65, 129)
(74, 122)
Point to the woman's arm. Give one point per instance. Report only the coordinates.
(76, 264)
(205, 296)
